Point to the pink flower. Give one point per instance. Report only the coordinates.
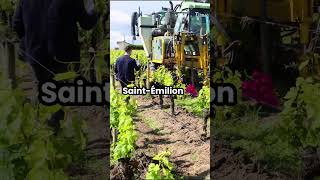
(191, 89)
(266, 80)
(245, 85)
(246, 94)
(265, 90)
(260, 88)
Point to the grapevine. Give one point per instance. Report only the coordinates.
(136, 54)
(197, 105)
(123, 122)
(162, 169)
(163, 76)
(28, 148)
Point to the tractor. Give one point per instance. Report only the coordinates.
(176, 37)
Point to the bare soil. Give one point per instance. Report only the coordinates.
(98, 148)
(181, 134)
(230, 164)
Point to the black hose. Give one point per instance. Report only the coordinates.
(134, 22)
(177, 6)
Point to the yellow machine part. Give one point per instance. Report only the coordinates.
(282, 11)
(204, 56)
(201, 61)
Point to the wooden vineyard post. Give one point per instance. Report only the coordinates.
(114, 135)
(172, 105)
(161, 101)
(113, 81)
(7, 57)
(3, 56)
(205, 116)
(137, 79)
(148, 74)
(11, 64)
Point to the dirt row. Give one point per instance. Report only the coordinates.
(158, 130)
(230, 164)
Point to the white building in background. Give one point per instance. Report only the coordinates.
(122, 44)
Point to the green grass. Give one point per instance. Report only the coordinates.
(151, 122)
(194, 156)
(190, 105)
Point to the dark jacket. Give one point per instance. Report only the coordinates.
(30, 23)
(49, 27)
(124, 69)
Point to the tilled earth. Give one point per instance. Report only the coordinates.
(232, 164)
(229, 164)
(181, 134)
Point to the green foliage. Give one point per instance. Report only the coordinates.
(227, 76)
(121, 119)
(118, 102)
(95, 44)
(309, 65)
(225, 112)
(114, 55)
(163, 76)
(262, 141)
(136, 54)
(161, 170)
(191, 105)
(28, 147)
(278, 143)
(301, 114)
(70, 75)
(127, 138)
(196, 105)
(140, 55)
(8, 6)
(203, 98)
(182, 86)
(218, 37)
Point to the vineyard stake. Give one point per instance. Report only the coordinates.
(161, 101)
(148, 74)
(11, 64)
(172, 105)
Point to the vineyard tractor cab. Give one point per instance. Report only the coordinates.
(176, 37)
